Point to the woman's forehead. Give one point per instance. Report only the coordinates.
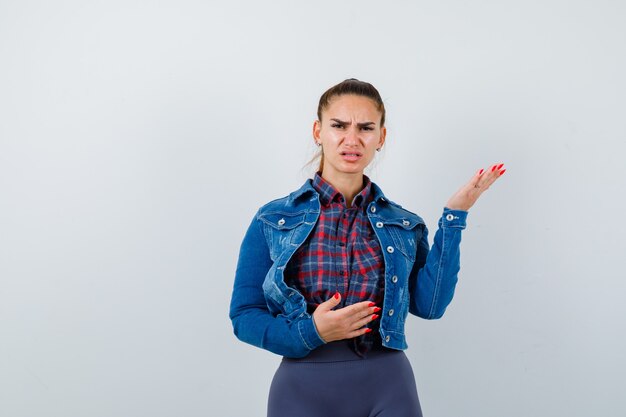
(352, 106)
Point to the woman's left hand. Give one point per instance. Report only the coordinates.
(467, 195)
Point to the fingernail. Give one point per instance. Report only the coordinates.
(500, 166)
(481, 171)
(494, 168)
(371, 304)
(368, 330)
(336, 296)
(503, 171)
(375, 316)
(377, 309)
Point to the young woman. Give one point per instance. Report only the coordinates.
(327, 275)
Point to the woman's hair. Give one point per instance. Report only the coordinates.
(349, 86)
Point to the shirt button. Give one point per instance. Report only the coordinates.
(406, 222)
(387, 338)
(394, 279)
(281, 222)
(379, 224)
(390, 249)
(373, 209)
(391, 312)
(450, 217)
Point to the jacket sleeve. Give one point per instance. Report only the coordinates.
(433, 277)
(252, 321)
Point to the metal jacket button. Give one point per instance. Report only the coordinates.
(394, 279)
(281, 222)
(391, 312)
(379, 224)
(450, 216)
(390, 249)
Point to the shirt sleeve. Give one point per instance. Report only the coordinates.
(434, 274)
(251, 319)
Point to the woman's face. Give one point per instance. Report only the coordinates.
(349, 133)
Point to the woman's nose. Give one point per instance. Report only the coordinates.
(352, 136)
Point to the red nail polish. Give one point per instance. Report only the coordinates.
(481, 171)
(377, 309)
(375, 316)
(494, 168)
(368, 330)
(503, 171)
(336, 296)
(500, 166)
(371, 304)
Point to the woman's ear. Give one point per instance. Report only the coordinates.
(383, 135)
(317, 127)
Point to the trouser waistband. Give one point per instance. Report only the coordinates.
(340, 350)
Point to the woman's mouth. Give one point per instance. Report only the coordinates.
(351, 156)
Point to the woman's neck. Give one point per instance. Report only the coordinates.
(349, 185)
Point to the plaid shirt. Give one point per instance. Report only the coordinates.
(343, 255)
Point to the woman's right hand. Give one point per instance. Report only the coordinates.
(343, 323)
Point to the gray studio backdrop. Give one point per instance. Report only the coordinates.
(138, 138)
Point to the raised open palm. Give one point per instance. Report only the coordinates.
(467, 195)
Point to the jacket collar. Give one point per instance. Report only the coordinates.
(388, 210)
(307, 188)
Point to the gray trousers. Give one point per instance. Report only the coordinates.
(332, 381)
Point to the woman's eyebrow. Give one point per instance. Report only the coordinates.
(349, 123)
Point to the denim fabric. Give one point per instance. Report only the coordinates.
(267, 313)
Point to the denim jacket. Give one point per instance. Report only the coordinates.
(268, 313)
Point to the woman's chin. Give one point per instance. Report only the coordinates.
(347, 168)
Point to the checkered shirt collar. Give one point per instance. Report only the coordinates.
(329, 194)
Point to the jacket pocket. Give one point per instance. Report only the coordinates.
(279, 229)
(282, 221)
(406, 236)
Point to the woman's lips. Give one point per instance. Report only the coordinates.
(351, 156)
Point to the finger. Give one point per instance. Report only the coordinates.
(358, 332)
(499, 170)
(360, 306)
(495, 169)
(331, 303)
(360, 309)
(367, 319)
(489, 176)
(474, 180)
(360, 320)
(495, 173)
